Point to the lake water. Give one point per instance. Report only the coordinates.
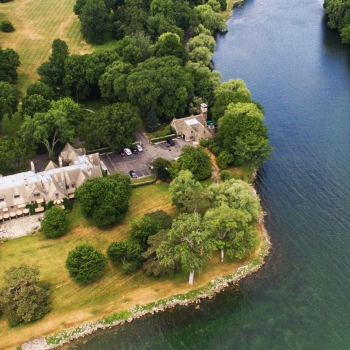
(299, 71)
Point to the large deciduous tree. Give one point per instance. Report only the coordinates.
(55, 223)
(52, 71)
(21, 298)
(162, 85)
(9, 62)
(189, 242)
(85, 263)
(9, 98)
(105, 199)
(160, 167)
(194, 159)
(94, 20)
(236, 194)
(128, 253)
(111, 125)
(185, 191)
(47, 128)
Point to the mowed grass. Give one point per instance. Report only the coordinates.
(37, 24)
(113, 291)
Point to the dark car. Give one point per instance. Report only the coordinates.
(132, 174)
(170, 142)
(122, 153)
(134, 150)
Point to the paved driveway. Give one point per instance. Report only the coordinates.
(140, 162)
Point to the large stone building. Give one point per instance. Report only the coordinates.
(54, 183)
(194, 127)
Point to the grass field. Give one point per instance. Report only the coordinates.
(114, 291)
(37, 24)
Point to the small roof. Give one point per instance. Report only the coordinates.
(192, 122)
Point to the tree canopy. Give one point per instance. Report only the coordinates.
(112, 125)
(55, 222)
(85, 263)
(188, 242)
(9, 99)
(9, 63)
(22, 299)
(105, 199)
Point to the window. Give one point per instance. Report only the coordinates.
(73, 185)
(36, 194)
(67, 187)
(16, 196)
(2, 199)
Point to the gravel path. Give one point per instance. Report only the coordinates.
(20, 227)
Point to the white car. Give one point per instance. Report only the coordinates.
(139, 148)
(127, 151)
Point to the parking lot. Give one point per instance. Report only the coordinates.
(140, 162)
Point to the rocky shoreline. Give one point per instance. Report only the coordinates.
(215, 286)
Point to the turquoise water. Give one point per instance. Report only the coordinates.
(299, 71)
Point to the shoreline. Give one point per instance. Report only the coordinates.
(215, 286)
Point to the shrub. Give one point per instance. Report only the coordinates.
(67, 203)
(85, 263)
(225, 159)
(204, 142)
(49, 205)
(32, 208)
(55, 223)
(226, 175)
(166, 131)
(7, 27)
(151, 123)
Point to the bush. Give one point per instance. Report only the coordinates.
(55, 223)
(85, 263)
(49, 205)
(226, 175)
(166, 131)
(7, 27)
(225, 159)
(67, 203)
(32, 208)
(204, 142)
(238, 161)
(151, 122)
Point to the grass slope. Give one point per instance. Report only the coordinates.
(37, 24)
(114, 291)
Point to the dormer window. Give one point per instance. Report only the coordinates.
(16, 196)
(36, 194)
(2, 199)
(73, 185)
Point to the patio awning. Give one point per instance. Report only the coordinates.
(20, 206)
(38, 210)
(40, 200)
(5, 210)
(19, 212)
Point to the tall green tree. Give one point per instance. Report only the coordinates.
(47, 128)
(94, 20)
(52, 72)
(72, 110)
(194, 159)
(160, 167)
(34, 104)
(85, 263)
(105, 199)
(9, 99)
(55, 223)
(39, 88)
(9, 63)
(169, 44)
(236, 194)
(22, 299)
(128, 253)
(112, 125)
(188, 242)
(185, 192)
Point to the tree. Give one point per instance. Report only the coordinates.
(52, 71)
(225, 159)
(113, 82)
(105, 199)
(72, 110)
(75, 77)
(34, 104)
(94, 20)
(194, 159)
(39, 88)
(9, 63)
(151, 121)
(7, 27)
(128, 253)
(162, 85)
(228, 226)
(152, 265)
(14, 155)
(85, 263)
(21, 298)
(112, 125)
(236, 194)
(47, 128)
(169, 44)
(161, 6)
(185, 191)
(189, 242)
(201, 55)
(9, 98)
(210, 19)
(202, 40)
(160, 167)
(55, 223)
(162, 217)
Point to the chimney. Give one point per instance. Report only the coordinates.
(204, 110)
(32, 167)
(60, 162)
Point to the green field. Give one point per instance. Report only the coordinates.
(37, 24)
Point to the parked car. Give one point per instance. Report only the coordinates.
(170, 142)
(127, 151)
(134, 150)
(133, 174)
(122, 153)
(139, 148)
